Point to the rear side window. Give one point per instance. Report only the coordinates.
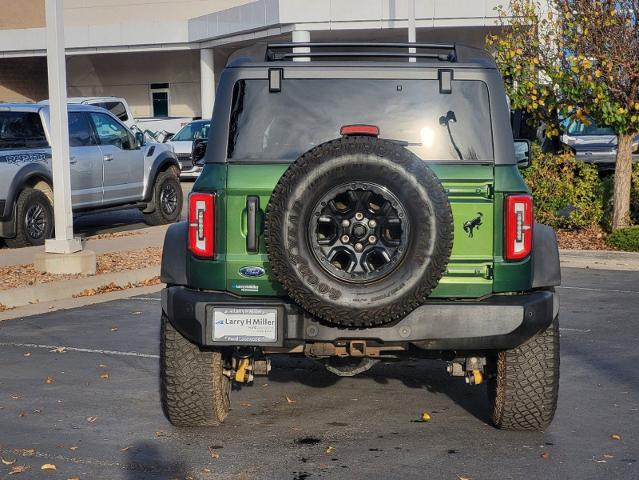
(306, 112)
(21, 130)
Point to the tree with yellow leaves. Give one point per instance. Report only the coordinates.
(576, 58)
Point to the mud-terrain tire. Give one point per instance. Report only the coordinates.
(34, 219)
(167, 198)
(523, 387)
(194, 390)
(359, 168)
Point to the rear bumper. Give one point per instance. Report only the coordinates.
(497, 322)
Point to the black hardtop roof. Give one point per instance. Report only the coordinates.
(371, 54)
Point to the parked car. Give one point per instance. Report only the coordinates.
(355, 208)
(182, 144)
(594, 144)
(111, 168)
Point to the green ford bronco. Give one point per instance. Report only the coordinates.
(361, 203)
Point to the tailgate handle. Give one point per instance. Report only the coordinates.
(252, 206)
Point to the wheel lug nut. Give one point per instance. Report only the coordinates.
(372, 239)
(346, 223)
(345, 238)
(359, 216)
(359, 247)
(372, 223)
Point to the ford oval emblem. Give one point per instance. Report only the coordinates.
(252, 271)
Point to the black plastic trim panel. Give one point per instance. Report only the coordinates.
(498, 322)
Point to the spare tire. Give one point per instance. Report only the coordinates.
(359, 231)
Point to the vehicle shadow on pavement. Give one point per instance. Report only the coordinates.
(145, 460)
(429, 375)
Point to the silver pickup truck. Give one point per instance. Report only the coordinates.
(111, 168)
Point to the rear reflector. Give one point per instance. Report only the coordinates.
(202, 224)
(519, 225)
(369, 130)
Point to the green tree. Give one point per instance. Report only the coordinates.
(577, 58)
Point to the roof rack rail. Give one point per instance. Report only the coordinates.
(445, 52)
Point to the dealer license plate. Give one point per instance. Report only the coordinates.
(253, 325)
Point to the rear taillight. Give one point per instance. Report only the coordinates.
(202, 224)
(519, 224)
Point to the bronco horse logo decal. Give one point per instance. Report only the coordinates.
(473, 224)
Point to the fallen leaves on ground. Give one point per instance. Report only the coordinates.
(73, 478)
(49, 380)
(92, 419)
(113, 287)
(213, 453)
(289, 400)
(25, 452)
(460, 477)
(126, 448)
(4, 308)
(425, 417)
(16, 276)
(104, 375)
(59, 350)
(106, 236)
(9, 462)
(589, 238)
(18, 469)
(330, 449)
(28, 354)
(48, 466)
(159, 434)
(615, 436)
(545, 456)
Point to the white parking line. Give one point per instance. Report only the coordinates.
(599, 289)
(580, 330)
(146, 298)
(76, 349)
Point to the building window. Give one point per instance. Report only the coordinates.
(160, 99)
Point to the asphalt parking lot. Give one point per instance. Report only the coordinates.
(61, 407)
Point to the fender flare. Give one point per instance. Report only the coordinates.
(161, 162)
(175, 255)
(26, 173)
(545, 257)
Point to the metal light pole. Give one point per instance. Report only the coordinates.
(64, 241)
(412, 28)
(62, 254)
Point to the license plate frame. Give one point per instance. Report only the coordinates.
(236, 334)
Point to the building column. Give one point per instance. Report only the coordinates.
(301, 36)
(207, 82)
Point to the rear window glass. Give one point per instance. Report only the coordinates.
(116, 108)
(435, 126)
(21, 130)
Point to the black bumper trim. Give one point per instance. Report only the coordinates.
(495, 323)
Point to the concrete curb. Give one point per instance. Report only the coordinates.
(139, 239)
(600, 259)
(66, 303)
(66, 289)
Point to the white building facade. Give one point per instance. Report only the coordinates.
(163, 56)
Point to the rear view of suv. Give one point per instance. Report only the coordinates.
(359, 207)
